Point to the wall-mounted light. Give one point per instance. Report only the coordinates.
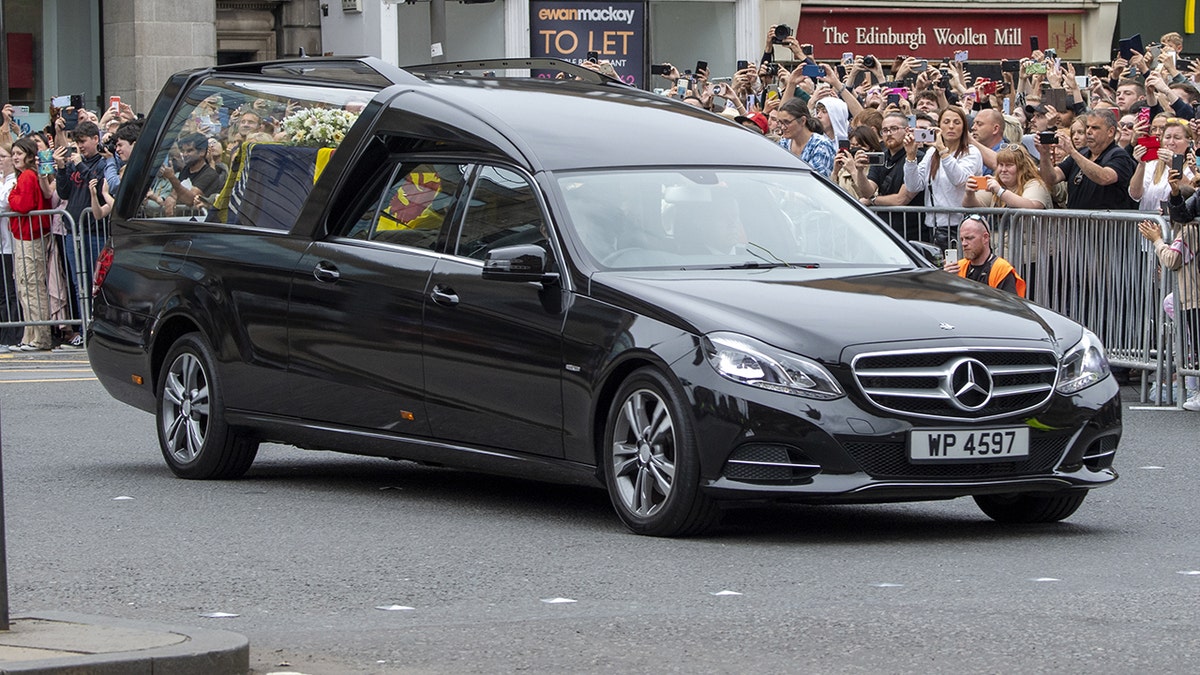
(324, 9)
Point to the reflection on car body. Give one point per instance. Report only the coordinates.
(583, 298)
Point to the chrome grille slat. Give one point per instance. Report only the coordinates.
(941, 383)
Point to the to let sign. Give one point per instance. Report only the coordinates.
(937, 34)
(569, 30)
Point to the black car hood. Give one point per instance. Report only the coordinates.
(820, 312)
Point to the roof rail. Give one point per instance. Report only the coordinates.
(542, 63)
(364, 70)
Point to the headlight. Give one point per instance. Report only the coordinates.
(757, 364)
(1084, 365)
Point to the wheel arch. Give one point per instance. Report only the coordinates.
(166, 334)
(608, 390)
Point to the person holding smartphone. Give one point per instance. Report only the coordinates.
(944, 171)
(1150, 184)
(29, 235)
(1098, 176)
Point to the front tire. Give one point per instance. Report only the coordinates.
(1031, 507)
(195, 439)
(651, 465)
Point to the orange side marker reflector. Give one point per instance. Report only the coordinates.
(137, 379)
(407, 416)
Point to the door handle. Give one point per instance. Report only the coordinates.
(444, 296)
(326, 271)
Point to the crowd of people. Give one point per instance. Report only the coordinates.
(1044, 135)
(74, 165)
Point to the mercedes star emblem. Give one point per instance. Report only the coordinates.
(970, 384)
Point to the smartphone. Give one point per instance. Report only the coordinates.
(1081, 81)
(1177, 162)
(1010, 66)
(1151, 144)
(1007, 105)
(1056, 98)
(1035, 69)
(848, 58)
(45, 162)
(1033, 43)
(977, 182)
(952, 256)
(659, 69)
(921, 66)
(681, 86)
(810, 70)
(874, 159)
(1183, 64)
(807, 49)
(701, 65)
(742, 65)
(1143, 116)
(924, 135)
(70, 118)
(893, 99)
(114, 103)
(77, 101)
(961, 56)
(1135, 43)
(594, 57)
(843, 144)
(1099, 71)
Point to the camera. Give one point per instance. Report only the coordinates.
(593, 56)
(772, 69)
(783, 32)
(109, 145)
(1048, 137)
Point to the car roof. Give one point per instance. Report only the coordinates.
(562, 125)
(555, 124)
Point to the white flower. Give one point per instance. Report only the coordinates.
(318, 127)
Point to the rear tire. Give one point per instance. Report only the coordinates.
(192, 432)
(651, 464)
(1031, 507)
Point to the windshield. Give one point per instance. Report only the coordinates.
(631, 219)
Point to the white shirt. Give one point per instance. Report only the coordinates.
(948, 187)
(6, 186)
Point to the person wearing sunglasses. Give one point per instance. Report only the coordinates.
(979, 262)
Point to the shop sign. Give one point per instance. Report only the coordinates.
(937, 34)
(616, 31)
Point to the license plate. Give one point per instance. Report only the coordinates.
(968, 445)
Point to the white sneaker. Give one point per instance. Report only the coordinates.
(1192, 403)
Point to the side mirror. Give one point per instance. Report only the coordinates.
(928, 251)
(517, 263)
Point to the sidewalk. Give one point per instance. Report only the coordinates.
(79, 644)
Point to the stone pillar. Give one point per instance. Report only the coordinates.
(300, 26)
(146, 41)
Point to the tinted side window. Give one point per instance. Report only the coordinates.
(503, 211)
(244, 152)
(413, 206)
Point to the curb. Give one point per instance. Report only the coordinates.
(195, 651)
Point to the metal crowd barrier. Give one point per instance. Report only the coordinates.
(1096, 268)
(70, 254)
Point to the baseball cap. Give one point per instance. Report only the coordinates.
(1039, 109)
(759, 119)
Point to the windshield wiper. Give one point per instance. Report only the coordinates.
(769, 257)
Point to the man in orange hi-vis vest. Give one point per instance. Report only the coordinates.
(979, 263)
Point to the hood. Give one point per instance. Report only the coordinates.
(821, 312)
(839, 116)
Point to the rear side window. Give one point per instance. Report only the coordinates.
(414, 205)
(245, 152)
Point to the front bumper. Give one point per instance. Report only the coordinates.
(759, 445)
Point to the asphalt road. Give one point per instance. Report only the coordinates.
(310, 545)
